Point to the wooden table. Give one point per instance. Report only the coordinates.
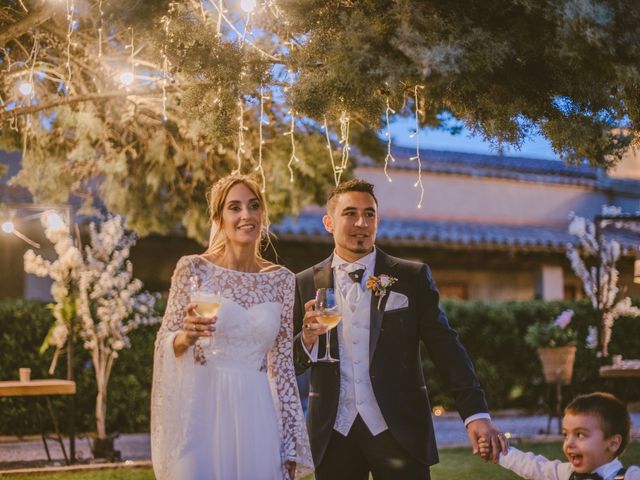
(46, 388)
(37, 388)
(623, 369)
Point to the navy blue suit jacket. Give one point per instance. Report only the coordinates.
(395, 366)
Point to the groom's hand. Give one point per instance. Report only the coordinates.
(311, 328)
(483, 430)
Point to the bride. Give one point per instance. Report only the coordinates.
(224, 402)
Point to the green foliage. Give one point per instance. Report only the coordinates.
(508, 367)
(23, 325)
(506, 68)
(548, 335)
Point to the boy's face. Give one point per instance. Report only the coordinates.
(585, 445)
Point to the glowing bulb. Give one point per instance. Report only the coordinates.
(126, 78)
(54, 221)
(7, 227)
(248, 5)
(25, 88)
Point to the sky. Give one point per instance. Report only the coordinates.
(402, 128)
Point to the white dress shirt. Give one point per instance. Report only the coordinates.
(538, 467)
(344, 285)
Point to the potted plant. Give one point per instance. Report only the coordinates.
(556, 344)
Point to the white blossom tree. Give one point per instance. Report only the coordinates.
(96, 287)
(600, 280)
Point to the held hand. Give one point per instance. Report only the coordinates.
(291, 468)
(487, 440)
(195, 326)
(311, 328)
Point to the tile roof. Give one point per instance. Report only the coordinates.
(450, 234)
(515, 168)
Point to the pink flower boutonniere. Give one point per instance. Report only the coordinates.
(379, 285)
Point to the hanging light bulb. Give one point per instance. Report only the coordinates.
(126, 78)
(248, 5)
(7, 227)
(25, 88)
(54, 221)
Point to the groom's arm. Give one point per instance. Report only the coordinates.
(454, 365)
(446, 350)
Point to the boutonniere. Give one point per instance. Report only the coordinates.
(379, 285)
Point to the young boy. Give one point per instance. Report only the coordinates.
(596, 429)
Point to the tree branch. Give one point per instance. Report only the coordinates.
(22, 26)
(90, 97)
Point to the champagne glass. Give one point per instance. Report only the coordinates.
(207, 305)
(330, 317)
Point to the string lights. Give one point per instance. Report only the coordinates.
(416, 157)
(260, 168)
(241, 129)
(333, 163)
(128, 76)
(293, 158)
(230, 23)
(70, 26)
(344, 140)
(389, 157)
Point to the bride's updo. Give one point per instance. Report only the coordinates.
(218, 197)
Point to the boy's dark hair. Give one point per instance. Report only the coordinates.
(354, 185)
(612, 412)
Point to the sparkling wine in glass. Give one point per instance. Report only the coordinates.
(330, 316)
(207, 305)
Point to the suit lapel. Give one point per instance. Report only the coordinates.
(384, 264)
(323, 274)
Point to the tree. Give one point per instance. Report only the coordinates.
(95, 291)
(594, 261)
(157, 98)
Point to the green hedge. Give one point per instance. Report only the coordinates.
(23, 326)
(493, 333)
(509, 369)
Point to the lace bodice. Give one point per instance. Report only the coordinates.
(254, 330)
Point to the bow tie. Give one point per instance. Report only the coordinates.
(356, 275)
(585, 476)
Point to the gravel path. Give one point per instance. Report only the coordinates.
(449, 432)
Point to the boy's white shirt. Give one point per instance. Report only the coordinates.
(536, 467)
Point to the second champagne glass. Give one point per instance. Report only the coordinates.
(330, 316)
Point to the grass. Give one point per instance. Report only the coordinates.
(455, 463)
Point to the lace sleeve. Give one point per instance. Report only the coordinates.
(171, 377)
(177, 301)
(294, 438)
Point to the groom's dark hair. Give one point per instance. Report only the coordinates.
(353, 185)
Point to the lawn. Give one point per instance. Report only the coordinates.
(455, 463)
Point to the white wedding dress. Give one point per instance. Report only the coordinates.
(236, 414)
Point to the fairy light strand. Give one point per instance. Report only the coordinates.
(344, 140)
(333, 163)
(70, 9)
(293, 158)
(260, 167)
(221, 16)
(241, 130)
(389, 157)
(100, 26)
(417, 158)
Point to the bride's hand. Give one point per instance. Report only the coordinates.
(291, 468)
(193, 327)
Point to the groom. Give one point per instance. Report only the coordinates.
(370, 411)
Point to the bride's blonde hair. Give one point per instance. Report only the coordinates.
(218, 197)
